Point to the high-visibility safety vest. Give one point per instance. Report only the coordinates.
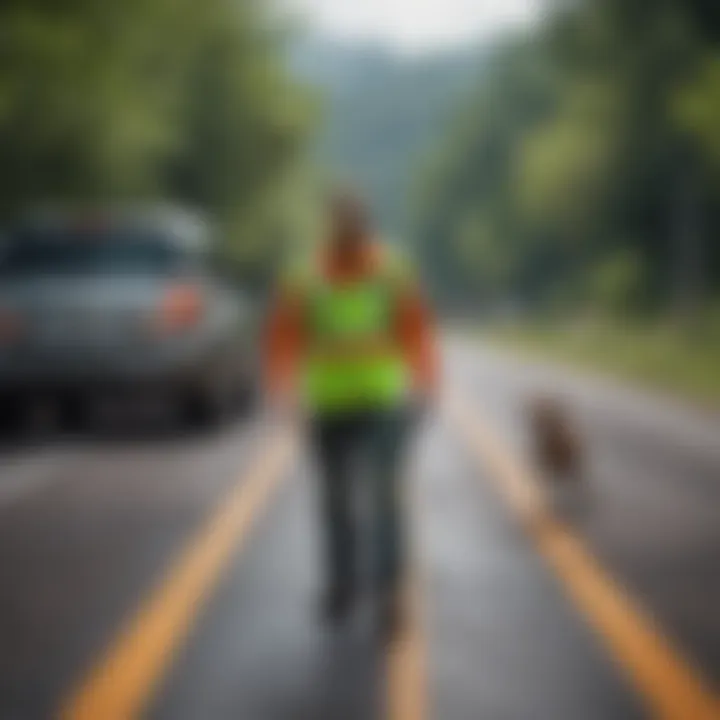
(353, 361)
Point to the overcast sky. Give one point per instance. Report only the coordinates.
(417, 25)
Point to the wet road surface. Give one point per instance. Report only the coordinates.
(177, 577)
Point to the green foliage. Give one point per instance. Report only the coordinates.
(617, 283)
(147, 99)
(657, 355)
(589, 155)
(696, 107)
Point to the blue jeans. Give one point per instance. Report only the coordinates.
(377, 439)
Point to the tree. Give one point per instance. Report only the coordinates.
(595, 142)
(148, 99)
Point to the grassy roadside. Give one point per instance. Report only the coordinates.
(658, 356)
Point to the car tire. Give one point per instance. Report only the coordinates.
(74, 414)
(12, 415)
(201, 410)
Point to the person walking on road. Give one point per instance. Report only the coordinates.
(350, 338)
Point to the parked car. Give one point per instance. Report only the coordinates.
(97, 302)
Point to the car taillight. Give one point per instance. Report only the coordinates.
(12, 327)
(181, 308)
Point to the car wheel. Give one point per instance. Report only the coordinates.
(201, 410)
(74, 413)
(12, 415)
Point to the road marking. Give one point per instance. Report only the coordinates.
(406, 696)
(672, 688)
(123, 682)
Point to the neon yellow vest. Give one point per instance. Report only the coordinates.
(353, 362)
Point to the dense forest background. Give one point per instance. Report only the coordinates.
(572, 167)
(560, 187)
(154, 99)
(582, 172)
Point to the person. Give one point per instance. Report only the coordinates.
(350, 334)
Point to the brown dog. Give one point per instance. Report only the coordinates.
(556, 443)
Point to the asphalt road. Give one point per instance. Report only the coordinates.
(176, 576)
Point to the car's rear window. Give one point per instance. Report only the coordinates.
(90, 254)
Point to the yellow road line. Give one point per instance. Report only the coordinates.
(406, 696)
(406, 665)
(672, 688)
(123, 682)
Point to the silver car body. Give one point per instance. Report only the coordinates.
(97, 327)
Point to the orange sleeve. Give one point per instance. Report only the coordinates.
(417, 336)
(284, 343)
